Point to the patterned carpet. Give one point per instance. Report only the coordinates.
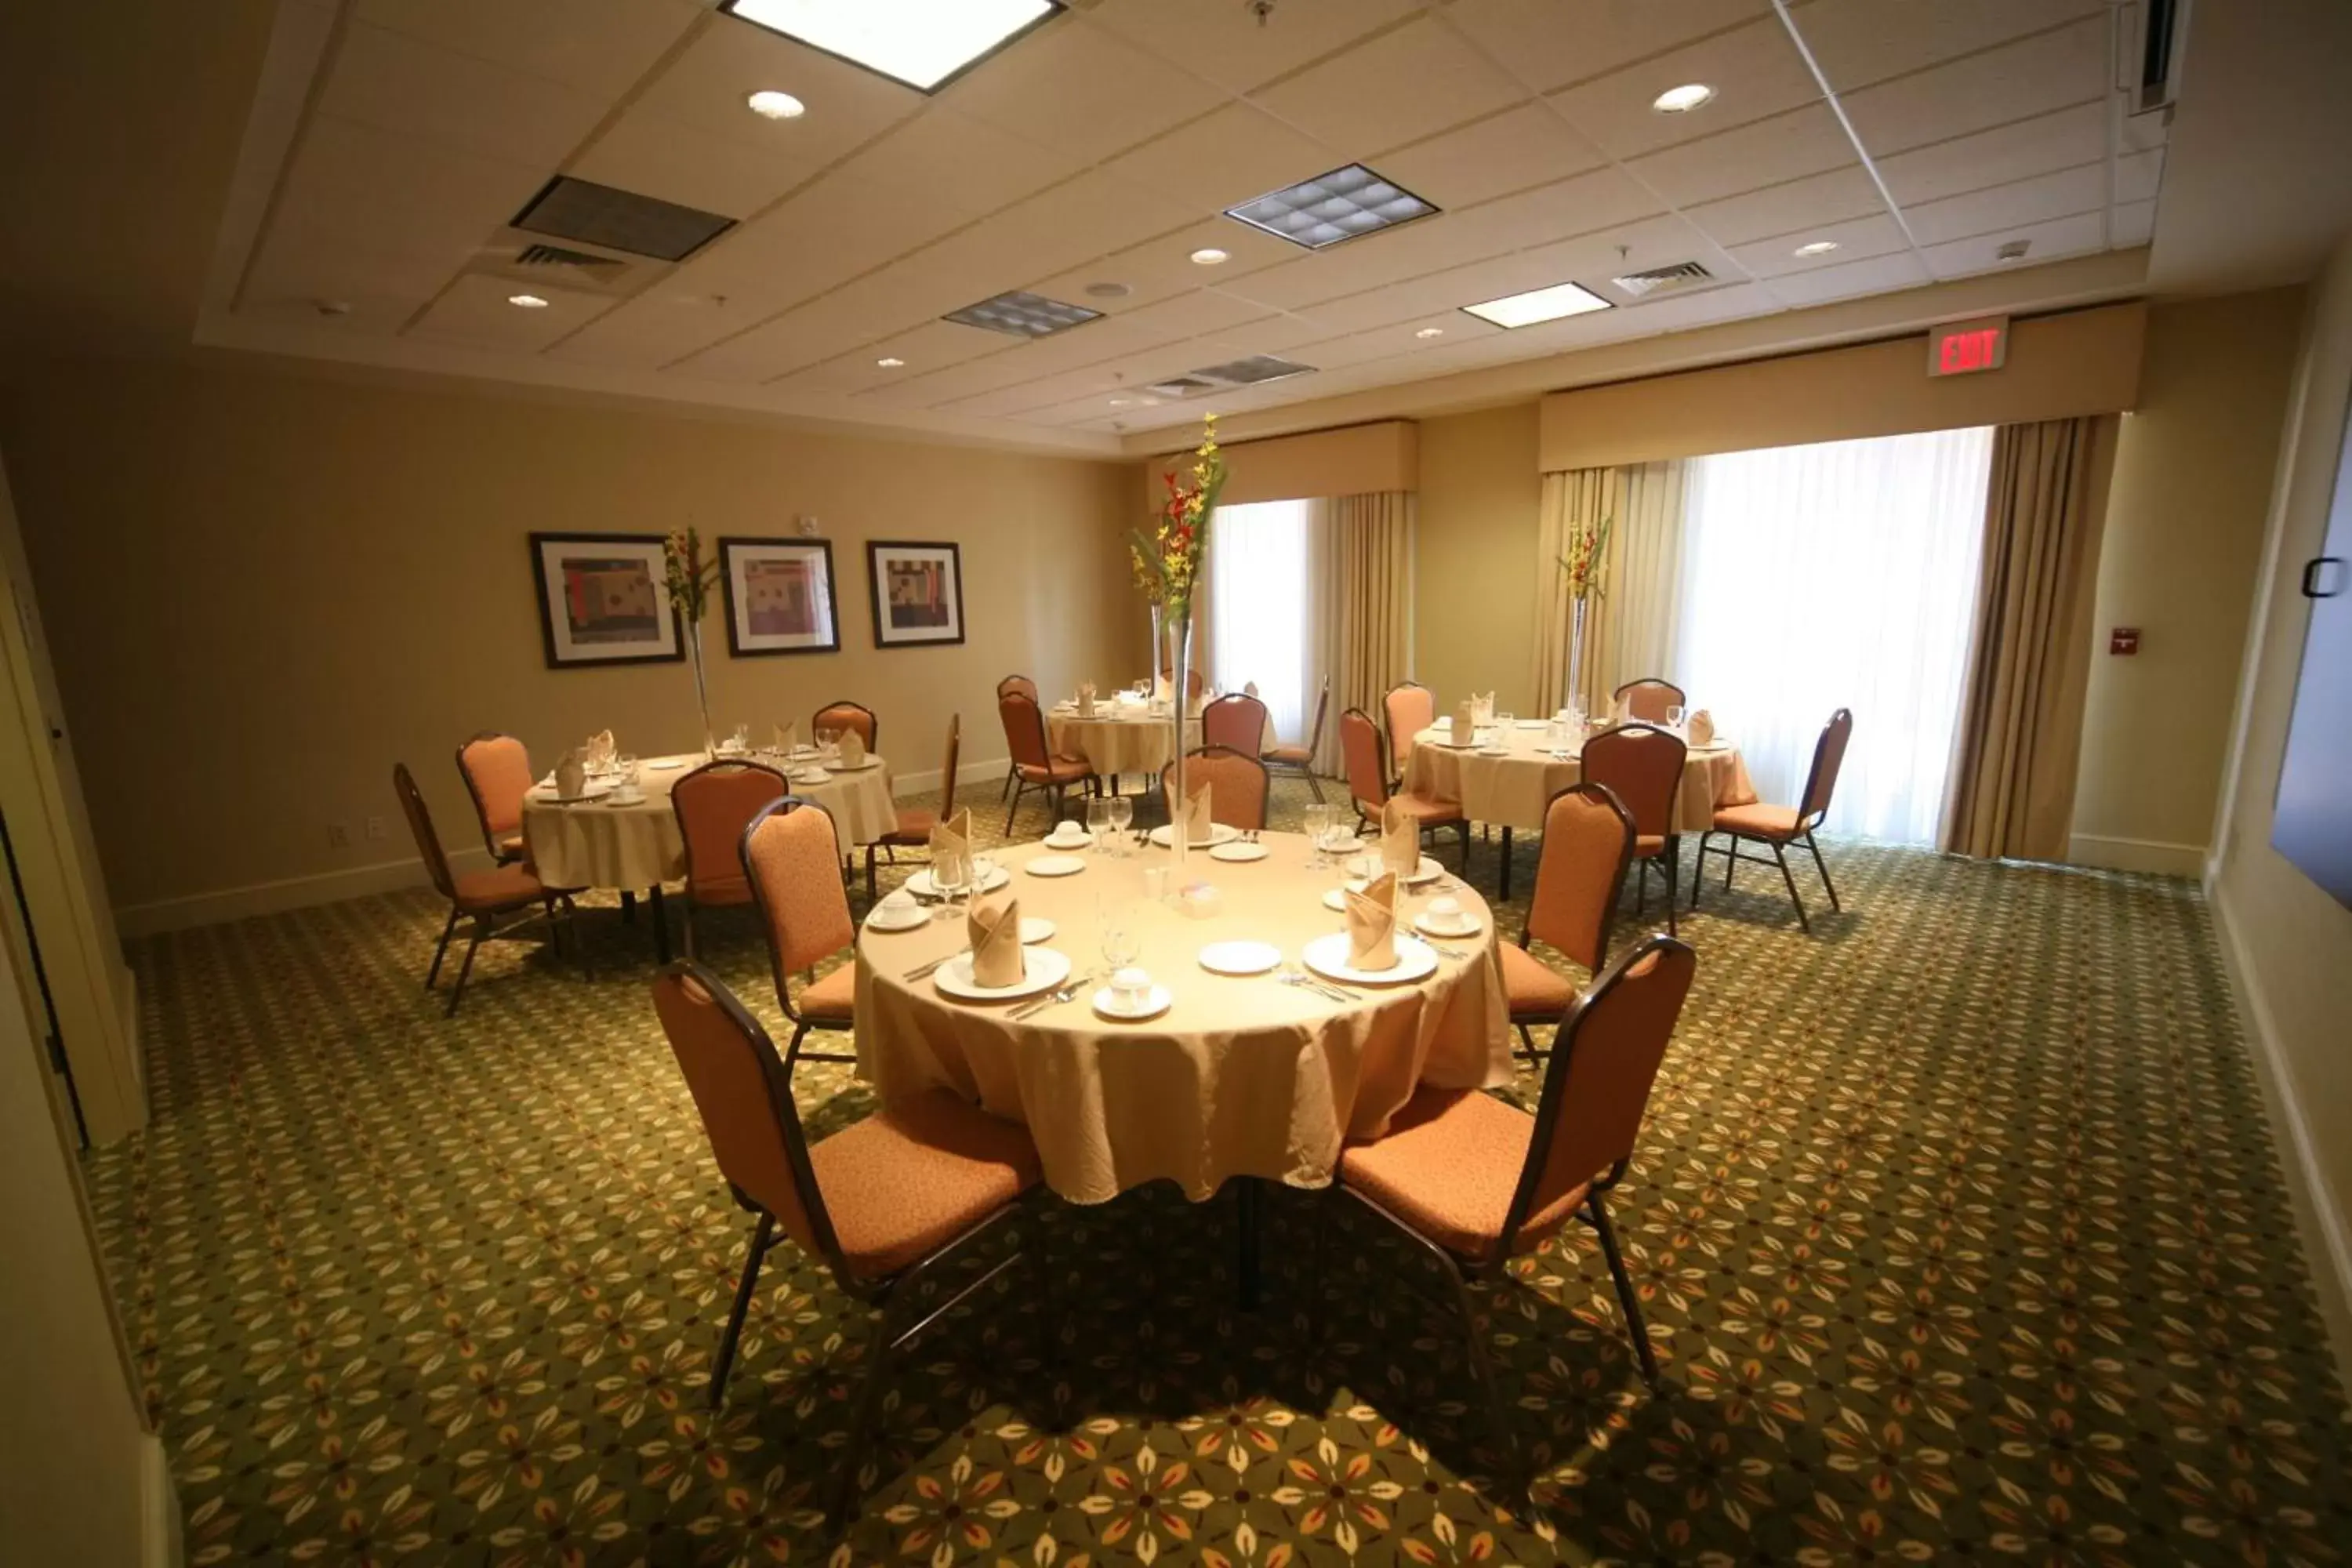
(1960, 1224)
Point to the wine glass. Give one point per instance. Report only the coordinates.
(1122, 816)
(950, 875)
(1319, 831)
(1674, 718)
(1116, 927)
(1098, 821)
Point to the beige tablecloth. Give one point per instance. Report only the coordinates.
(1113, 745)
(592, 845)
(1512, 790)
(1240, 1076)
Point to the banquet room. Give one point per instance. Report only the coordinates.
(1248, 781)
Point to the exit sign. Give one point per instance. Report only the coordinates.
(1961, 348)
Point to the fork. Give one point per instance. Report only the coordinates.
(920, 970)
(1067, 991)
(1291, 974)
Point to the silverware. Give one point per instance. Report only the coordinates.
(1293, 975)
(1448, 952)
(920, 970)
(1065, 992)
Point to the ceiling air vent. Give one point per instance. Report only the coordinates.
(1181, 386)
(597, 215)
(1664, 280)
(556, 256)
(1251, 370)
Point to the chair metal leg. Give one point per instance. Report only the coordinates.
(1730, 861)
(1625, 1299)
(1020, 787)
(1823, 866)
(869, 873)
(1641, 887)
(441, 951)
(1783, 859)
(473, 943)
(861, 1421)
(572, 934)
(762, 1237)
(661, 922)
(1674, 875)
(1503, 884)
(1482, 1369)
(687, 923)
(1698, 868)
(1527, 1043)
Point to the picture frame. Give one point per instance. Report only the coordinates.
(780, 597)
(602, 600)
(917, 592)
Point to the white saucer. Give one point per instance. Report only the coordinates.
(1156, 1001)
(1043, 967)
(618, 796)
(1351, 844)
(915, 918)
(1428, 926)
(1218, 834)
(1035, 929)
(1368, 866)
(1239, 852)
(808, 775)
(1328, 956)
(922, 887)
(1240, 957)
(546, 796)
(1531, 723)
(1712, 747)
(1054, 866)
(667, 764)
(1494, 750)
(1336, 900)
(1067, 846)
(856, 767)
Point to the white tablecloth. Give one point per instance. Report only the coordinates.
(1512, 790)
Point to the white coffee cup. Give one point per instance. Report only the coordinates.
(1068, 832)
(899, 902)
(1445, 911)
(1129, 987)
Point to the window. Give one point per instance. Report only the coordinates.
(1258, 607)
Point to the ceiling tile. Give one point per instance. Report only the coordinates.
(395, 83)
(1219, 40)
(1397, 338)
(1439, 292)
(1807, 141)
(681, 163)
(934, 345)
(705, 87)
(1080, 90)
(1547, 46)
(296, 269)
(474, 313)
(652, 327)
(376, 188)
(1396, 87)
(1858, 42)
(1851, 280)
(1857, 239)
(1755, 70)
(1520, 147)
(2132, 226)
(2033, 75)
(2138, 175)
(1790, 208)
(1995, 157)
(1594, 258)
(1227, 157)
(2051, 240)
(2011, 206)
(600, 46)
(1163, 266)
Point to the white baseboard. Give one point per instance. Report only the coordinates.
(2327, 1239)
(286, 893)
(2154, 854)
(160, 1545)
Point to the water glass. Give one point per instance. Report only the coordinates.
(1674, 718)
(1114, 926)
(1098, 821)
(1122, 816)
(1319, 831)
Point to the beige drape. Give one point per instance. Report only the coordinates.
(1629, 630)
(1360, 562)
(2020, 730)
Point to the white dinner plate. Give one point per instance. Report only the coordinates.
(1218, 834)
(1494, 750)
(922, 887)
(1712, 747)
(856, 767)
(1054, 866)
(1328, 956)
(1429, 925)
(1348, 845)
(1042, 969)
(1531, 723)
(1240, 957)
(547, 796)
(618, 796)
(1153, 1002)
(1035, 929)
(1369, 866)
(1239, 852)
(1336, 900)
(915, 920)
(667, 764)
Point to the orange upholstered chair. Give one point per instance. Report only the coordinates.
(1237, 785)
(1648, 699)
(1027, 687)
(1778, 826)
(1588, 843)
(1367, 782)
(915, 821)
(1235, 719)
(712, 804)
(1301, 760)
(1477, 1181)
(1034, 765)
(835, 717)
(881, 1202)
(482, 897)
(791, 857)
(1643, 766)
(1409, 709)
(497, 769)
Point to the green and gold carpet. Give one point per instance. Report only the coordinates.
(1959, 1223)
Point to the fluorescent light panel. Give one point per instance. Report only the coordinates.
(922, 43)
(1331, 208)
(1539, 305)
(1023, 315)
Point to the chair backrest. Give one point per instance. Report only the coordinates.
(1410, 708)
(1236, 720)
(1237, 782)
(1025, 729)
(791, 857)
(1588, 843)
(1360, 751)
(1643, 766)
(1604, 1057)
(948, 772)
(1829, 756)
(1649, 697)
(848, 715)
(1322, 709)
(420, 823)
(1021, 683)
(497, 770)
(712, 804)
(739, 1085)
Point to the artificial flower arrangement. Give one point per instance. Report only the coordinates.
(687, 575)
(1168, 561)
(1588, 551)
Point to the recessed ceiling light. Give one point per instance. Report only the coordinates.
(920, 42)
(1817, 248)
(1331, 208)
(1539, 305)
(1682, 99)
(892, 363)
(773, 105)
(1431, 332)
(1208, 256)
(1023, 315)
(528, 301)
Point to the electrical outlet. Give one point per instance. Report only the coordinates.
(338, 835)
(375, 828)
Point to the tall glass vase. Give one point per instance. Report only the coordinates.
(1178, 630)
(1574, 700)
(701, 690)
(1159, 649)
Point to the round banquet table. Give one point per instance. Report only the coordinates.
(1512, 790)
(1117, 740)
(1241, 1077)
(591, 844)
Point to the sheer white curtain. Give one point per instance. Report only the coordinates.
(1260, 610)
(1837, 575)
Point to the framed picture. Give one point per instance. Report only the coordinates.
(602, 601)
(918, 592)
(780, 596)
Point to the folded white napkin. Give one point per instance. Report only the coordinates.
(853, 749)
(787, 737)
(1466, 724)
(1400, 839)
(1086, 699)
(951, 847)
(572, 775)
(995, 932)
(1700, 727)
(1371, 924)
(1199, 826)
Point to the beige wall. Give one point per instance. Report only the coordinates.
(1473, 614)
(2290, 945)
(263, 587)
(2185, 518)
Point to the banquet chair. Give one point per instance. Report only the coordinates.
(1027, 687)
(846, 715)
(883, 1202)
(915, 821)
(1236, 720)
(1588, 845)
(1368, 783)
(1477, 1181)
(497, 770)
(1648, 699)
(712, 803)
(1643, 766)
(1301, 760)
(1409, 709)
(1034, 765)
(479, 896)
(1777, 827)
(1238, 786)
(788, 851)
